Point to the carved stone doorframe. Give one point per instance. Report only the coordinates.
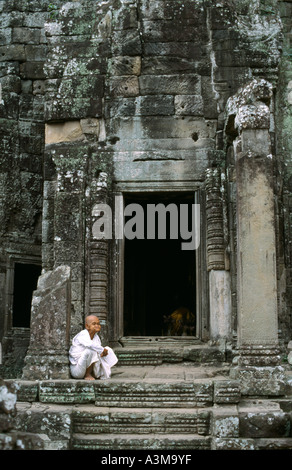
(118, 257)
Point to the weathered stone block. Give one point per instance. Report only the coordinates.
(5, 36)
(35, 53)
(107, 441)
(219, 278)
(158, 127)
(90, 126)
(263, 381)
(66, 391)
(6, 442)
(253, 117)
(124, 86)
(120, 107)
(155, 394)
(125, 18)
(170, 84)
(167, 65)
(67, 251)
(189, 105)
(68, 223)
(35, 19)
(219, 443)
(32, 70)
(125, 65)
(274, 444)
(91, 422)
(39, 88)
(158, 10)
(21, 441)
(64, 132)
(175, 30)
(83, 107)
(7, 405)
(11, 84)
(174, 49)
(12, 52)
(27, 391)
(47, 355)
(259, 138)
(26, 35)
(263, 420)
(126, 43)
(225, 423)
(154, 106)
(52, 422)
(226, 391)
(160, 165)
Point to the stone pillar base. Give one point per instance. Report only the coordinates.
(263, 381)
(46, 366)
(259, 371)
(47, 356)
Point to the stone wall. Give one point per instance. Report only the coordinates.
(101, 98)
(152, 79)
(23, 48)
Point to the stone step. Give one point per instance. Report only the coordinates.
(263, 419)
(274, 444)
(159, 352)
(250, 426)
(87, 420)
(128, 388)
(161, 394)
(142, 441)
(242, 443)
(124, 394)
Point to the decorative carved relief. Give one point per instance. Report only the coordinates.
(214, 213)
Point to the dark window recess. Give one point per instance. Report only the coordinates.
(25, 282)
(159, 280)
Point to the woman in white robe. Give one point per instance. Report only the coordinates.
(88, 358)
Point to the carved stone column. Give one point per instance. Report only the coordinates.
(219, 277)
(97, 257)
(258, 366)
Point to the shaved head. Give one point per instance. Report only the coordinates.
(92, 324)
(89, 319)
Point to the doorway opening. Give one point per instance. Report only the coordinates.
(25, 282)
(160, 277)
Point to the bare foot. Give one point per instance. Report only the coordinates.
(89, 377)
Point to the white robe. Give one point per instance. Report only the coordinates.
(86, 351)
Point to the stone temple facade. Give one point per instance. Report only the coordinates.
(121, 102)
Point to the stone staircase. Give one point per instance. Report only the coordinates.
(180, 406)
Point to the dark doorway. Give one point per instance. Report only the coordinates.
(159, 279)
(25, 282)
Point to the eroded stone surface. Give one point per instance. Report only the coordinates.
(138, 92)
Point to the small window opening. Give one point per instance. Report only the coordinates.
(25, 282)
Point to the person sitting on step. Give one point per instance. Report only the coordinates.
(89, 360)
